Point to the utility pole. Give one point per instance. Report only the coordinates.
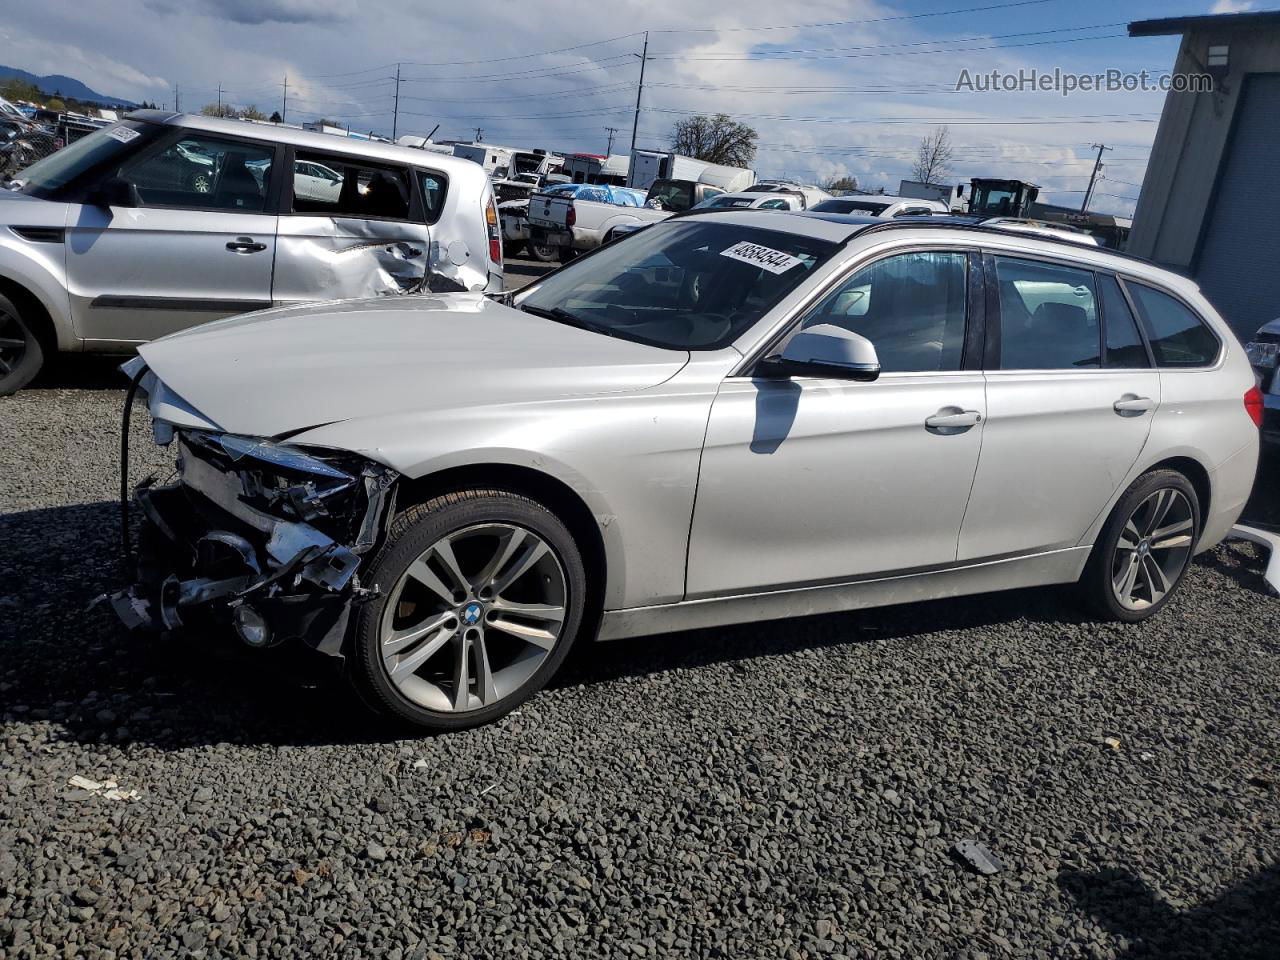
(609, 149)
(395, 114)
(479, 134)
(635, 124)
(284, 101)
(219, 98)
(177, 100)
(1093, 177)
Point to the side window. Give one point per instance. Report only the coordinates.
(777, 204)
(347, 187)
(910, 306)
(1178, 337)
(204, 172)
(1048, 316)
(433, 187)
(1124, 345)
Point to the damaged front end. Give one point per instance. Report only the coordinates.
(264, 537)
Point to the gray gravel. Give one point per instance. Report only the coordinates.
(782, 790)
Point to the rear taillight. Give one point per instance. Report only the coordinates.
(1253, 405)
(495, 232)
(571, 217)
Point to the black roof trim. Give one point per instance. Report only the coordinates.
(152, 116)
(1168, 26)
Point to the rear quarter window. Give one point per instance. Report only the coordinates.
(1177, 336)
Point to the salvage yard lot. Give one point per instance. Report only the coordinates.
(783, 789)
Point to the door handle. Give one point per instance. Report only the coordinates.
(245, 245)
(1131, 403)
(951, 418)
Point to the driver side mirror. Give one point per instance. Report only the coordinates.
(115, 192)
(824, 350)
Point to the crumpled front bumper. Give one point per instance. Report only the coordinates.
(209, 554)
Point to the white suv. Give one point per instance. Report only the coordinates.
(164, 221)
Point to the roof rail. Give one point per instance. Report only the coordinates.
(963, 223)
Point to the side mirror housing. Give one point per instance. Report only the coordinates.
(115, 192)
(825, 350)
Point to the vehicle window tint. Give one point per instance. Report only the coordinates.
(778, 204)
(1124, 345)
(346, 187)
(911, 307)
(203, 172)
(433, 186)
(1048, 316)
(1178, 337)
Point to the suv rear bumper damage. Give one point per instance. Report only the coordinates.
(210, 555)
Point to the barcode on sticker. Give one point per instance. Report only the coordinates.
(775, 261)
(123, 134)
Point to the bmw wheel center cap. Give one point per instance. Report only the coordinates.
(471, 614)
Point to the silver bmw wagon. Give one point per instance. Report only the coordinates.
(723, 418)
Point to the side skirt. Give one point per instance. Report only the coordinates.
(1056, 566)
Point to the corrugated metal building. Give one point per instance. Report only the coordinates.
(1210, 201)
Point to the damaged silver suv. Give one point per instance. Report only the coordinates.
(164, 221)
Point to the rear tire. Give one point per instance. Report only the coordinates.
(21, 353)
(481, 596)
(543, 253)
(1144, 549)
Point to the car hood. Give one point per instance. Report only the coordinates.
(285, 370)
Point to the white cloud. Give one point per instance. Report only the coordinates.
(1232, 6)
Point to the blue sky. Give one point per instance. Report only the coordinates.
(833, 86)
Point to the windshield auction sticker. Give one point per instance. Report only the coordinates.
(775, 261)
(123, 134)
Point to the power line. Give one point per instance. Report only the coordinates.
(842, 23)
(961, 121)
(523, 56)
(895, 53)
(530, 74)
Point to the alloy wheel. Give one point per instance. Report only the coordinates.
(1153, 549)
(200, 183)
(13, 343)
(473, 617)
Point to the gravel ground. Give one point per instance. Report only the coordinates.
(782, 790)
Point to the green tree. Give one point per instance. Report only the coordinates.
(15, 88)
(218, 110)
(55, 104)
(715, 139)
(252, 113)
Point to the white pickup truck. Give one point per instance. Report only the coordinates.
(575, 224)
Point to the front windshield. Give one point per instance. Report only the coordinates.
(46, 177)
(691, 285)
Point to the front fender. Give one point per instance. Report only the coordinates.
(40, 269)
(631, 458)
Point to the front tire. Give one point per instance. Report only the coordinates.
(482, 595)
(1144, 549)
(21, 353)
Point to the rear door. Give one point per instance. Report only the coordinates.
(199, 245)
(365, 237)
(1071, 394)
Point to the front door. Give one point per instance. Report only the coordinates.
(812, 480)
(1070, 399)
(198, 246)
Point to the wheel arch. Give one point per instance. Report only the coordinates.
(34, 312)
(553, 493)
(1196, 474)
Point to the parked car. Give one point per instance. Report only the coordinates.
(164, 220)
(516, 232)
(884, 207)
(1262, 351)
(725, 418)
(810, 195)
(767, 200)
(574, 224)
(572, 218)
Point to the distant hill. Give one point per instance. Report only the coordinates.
(64, 86)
